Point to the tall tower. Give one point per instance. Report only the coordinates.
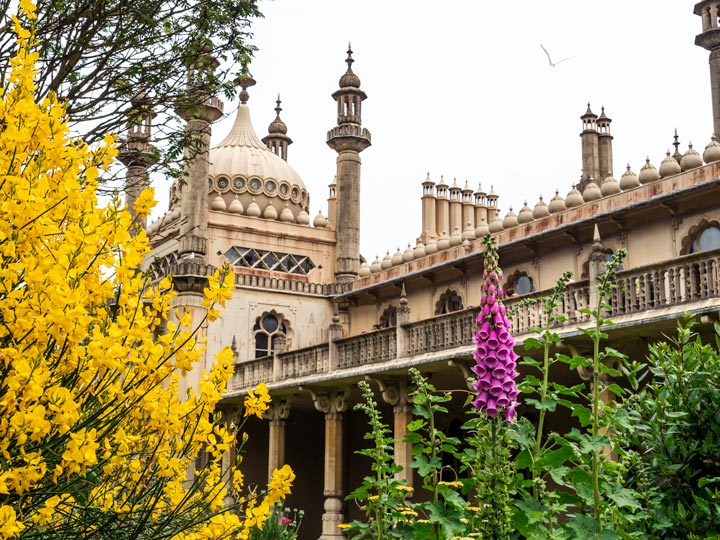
(605, 153)
(277, 140)
(709, 10)
(348, 139)
(590, 149)
(136, 153)
(199, 110)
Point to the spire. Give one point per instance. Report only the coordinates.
(677, 155)
(245, 81)
(277, 140)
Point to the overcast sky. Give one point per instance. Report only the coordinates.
(462, 88)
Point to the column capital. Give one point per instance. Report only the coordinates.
(395, 391)
(279, 409)
(464, 368)
(329, 401)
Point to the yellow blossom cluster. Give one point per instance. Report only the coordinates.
(94, 431)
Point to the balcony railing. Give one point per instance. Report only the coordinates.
(689, 279)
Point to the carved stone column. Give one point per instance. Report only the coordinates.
(403, 317)
(277, 414)
(395, 392)
(335, 332)
(333, 404)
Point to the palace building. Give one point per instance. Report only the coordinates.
(311, 317)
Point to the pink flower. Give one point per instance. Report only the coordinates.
(285, 521)
(494, 353)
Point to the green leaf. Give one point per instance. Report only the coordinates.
(624, 498)
(416, 424)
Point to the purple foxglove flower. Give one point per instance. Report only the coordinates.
(494, 355)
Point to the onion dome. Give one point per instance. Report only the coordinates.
(431, 247)
(525, 215)
(712, 151)
(444, 242)
(375, 266)
(286, 215)
(270, 212)
(408, 255)
(510, 219)
(691, 159)
(557, 203)
(253, 209)
(320, 221)
(242, 164)
(364, 270)
(349, 78)
(669, 166)
(574, 198)
(469, 232)
(482, 230)
(609, 186)
(629, 179)
(591, 192)
(397, 258)
(303, 218)
(277, 126)
(218, 204)
(648, 173)
(496, 225)
(455, 237)
(236, 206)
(386, 262)
(419, 250)
(541, 209)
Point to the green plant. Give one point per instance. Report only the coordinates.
(674, 426)
(281, 524)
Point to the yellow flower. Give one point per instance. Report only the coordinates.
(344, 526)
(145, 202)
(258, 401)
(9, 526)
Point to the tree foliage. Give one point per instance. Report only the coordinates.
(96, 440)
(96, 55)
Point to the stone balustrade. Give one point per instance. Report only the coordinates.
(687, 281)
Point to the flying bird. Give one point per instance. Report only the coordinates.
(553, 64)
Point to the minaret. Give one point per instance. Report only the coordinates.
(348, 139)
(277, 140)
(428, 211)
(590, 150)
(605, 152)
(136, 153)
(199, 110)
(709, 10)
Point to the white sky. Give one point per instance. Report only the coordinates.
(462, 88)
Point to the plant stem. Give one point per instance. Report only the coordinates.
(596, 412)
(541, 420)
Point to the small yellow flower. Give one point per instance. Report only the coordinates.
(344, 526)
(258, 401)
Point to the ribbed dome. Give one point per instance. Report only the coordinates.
(648, 173)
(669, 166)
(691, 159)
(541, 209)
(574, 198)
(609, 186)
(242, 165)
(712, 151)
(525, 215)
(510, 219)
(375, 266)
(320, 221)
(591, 192)
(629, 179)
(557, 204)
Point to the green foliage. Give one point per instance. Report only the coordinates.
(675, 421)
(96, 56)
(282, 524)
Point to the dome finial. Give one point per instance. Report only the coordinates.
(245, 80)
(349, 60)
(278, 108)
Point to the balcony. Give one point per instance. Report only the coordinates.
(659, 292)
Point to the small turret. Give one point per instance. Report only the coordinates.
(277, 140)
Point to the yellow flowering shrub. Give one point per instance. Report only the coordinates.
(95, 439)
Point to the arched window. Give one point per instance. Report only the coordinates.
(519, 283)
(449, 301)
(702, 237)
(268, 328)
(389, 317)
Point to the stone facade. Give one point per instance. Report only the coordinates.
(311, 321)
